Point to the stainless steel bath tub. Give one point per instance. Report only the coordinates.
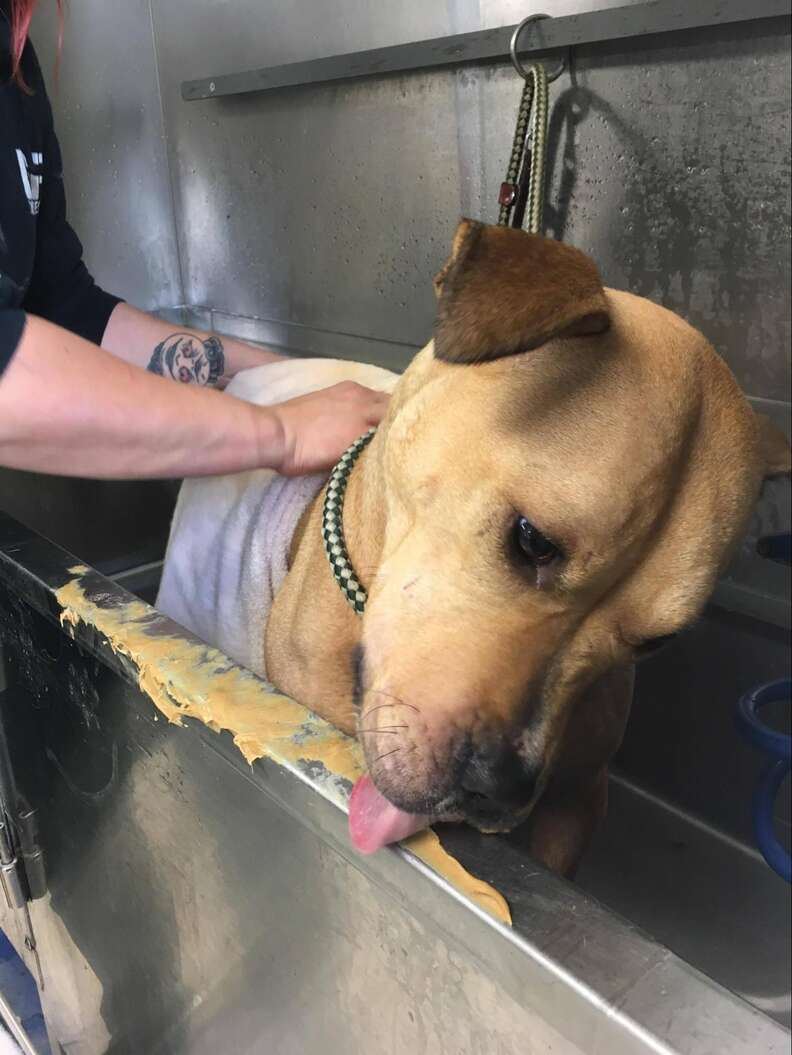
(197, 904)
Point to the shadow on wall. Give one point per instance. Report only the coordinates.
(689, 231)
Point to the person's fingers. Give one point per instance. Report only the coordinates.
(319, 427)
(375, 407)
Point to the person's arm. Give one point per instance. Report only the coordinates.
(184, 355)
(70, 408)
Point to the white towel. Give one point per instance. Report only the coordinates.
(8, 1046)
(230, 535)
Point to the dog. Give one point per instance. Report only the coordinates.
(560, 477)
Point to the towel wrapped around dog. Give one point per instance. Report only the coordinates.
(230, 535)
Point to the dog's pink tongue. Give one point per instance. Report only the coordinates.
(374, 822)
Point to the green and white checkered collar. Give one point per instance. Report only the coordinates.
(333, 525)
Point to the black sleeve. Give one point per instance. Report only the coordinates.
(61, 288)
(12, 323)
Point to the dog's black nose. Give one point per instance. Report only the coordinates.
(495, 772)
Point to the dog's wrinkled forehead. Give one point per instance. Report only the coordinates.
(503, 291)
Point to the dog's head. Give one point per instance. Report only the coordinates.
(566, 471)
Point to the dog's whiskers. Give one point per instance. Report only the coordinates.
(396, 702)
(385, 755)
(384, 729)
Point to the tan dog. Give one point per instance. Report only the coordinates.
(560, 478)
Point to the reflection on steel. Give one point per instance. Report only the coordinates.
(489, 45)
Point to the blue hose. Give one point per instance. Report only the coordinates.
(763, 805)
(779, 747)
(776, 547)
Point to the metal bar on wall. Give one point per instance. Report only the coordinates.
(658, 16)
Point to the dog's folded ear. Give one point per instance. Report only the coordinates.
(503, 291)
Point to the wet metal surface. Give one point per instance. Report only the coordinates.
(706, 896)
(331, 206)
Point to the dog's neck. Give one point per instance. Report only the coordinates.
(363, 517)
(312, 632)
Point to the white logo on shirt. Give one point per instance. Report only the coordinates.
(30, 181)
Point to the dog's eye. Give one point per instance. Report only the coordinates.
(533, 544)
(653, 644)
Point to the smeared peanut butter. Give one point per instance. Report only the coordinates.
(428, 848)
(185, 678)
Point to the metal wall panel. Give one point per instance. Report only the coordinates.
(330, 207)
(109, 122)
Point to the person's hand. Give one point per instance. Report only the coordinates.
(316, 429)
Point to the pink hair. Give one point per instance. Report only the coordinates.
(21, 13)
